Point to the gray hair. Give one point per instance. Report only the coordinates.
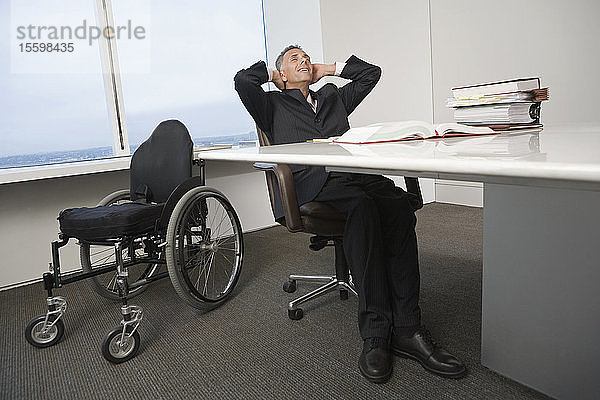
(279, 60)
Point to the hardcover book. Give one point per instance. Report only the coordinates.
(408, 130)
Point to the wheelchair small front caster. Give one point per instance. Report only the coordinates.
(296, 314)
(44, 334)
(289, 287)
(118, 348)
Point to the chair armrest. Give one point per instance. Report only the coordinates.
(414, 190)
(287, 193)
(264, 166)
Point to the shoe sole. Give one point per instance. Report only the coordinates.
(453, 375)
(370, 378)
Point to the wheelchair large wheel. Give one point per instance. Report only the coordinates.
(204, 248)
(95, 256)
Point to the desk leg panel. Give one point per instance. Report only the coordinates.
(541, 288)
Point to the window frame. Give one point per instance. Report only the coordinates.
(112, 80)
(113, 92)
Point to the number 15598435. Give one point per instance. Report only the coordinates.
(61, 47)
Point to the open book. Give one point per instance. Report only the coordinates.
(408, 130)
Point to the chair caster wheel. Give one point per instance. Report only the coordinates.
(296, 314)
(289, 286)
(40, 337)
(343, 295)
(116, 351)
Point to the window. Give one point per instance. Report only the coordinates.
(83, 108)
(50, 117)
(196, 47)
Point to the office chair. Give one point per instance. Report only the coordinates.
(321, 220)
(167, 217)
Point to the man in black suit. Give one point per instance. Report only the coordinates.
(380, 243)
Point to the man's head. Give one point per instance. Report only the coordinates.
(295, 66)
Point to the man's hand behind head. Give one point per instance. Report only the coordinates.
(321, 70)
(277, 81)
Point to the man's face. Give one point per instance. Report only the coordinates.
(296, 66)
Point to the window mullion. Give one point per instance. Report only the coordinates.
(112, 78)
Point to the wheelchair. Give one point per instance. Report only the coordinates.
(167, 218)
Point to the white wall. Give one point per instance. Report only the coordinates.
(394, 35)
(293, 22)
(482, 41)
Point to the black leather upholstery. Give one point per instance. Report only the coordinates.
(97, 223)
(322, 219)
(154, 171)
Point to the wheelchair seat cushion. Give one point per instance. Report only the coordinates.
(106, 222)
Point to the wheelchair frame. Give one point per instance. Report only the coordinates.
(122, 342)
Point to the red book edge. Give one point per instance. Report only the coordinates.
(423, 138)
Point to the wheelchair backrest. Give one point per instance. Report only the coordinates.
(161, 163)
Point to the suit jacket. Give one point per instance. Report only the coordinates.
(286, 116)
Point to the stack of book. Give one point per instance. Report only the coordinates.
(506, 105)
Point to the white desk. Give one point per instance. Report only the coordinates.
(540, 301)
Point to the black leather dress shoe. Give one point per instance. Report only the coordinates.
(422, 348)
(375, 362)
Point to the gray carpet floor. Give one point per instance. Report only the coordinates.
(248, 348)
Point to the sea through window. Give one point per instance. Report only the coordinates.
(52, 102)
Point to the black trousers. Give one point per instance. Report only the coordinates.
(380, 245)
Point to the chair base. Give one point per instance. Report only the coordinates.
(331, 283)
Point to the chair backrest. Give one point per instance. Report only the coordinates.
(263, 140)
(161, 163)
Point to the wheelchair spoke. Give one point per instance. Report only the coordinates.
(102, 251)
(228, 249)
(234, 249)
(197, 215)
(195, 257)
(220, 235)
(225, 240)
(212, 256)
(112, 284)
(199, 275)
(194, 266)
(204, 272)
(220, 223)
(102, 261)
(212, 222)
(225, 257)
(227, 274)
(224, 269)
